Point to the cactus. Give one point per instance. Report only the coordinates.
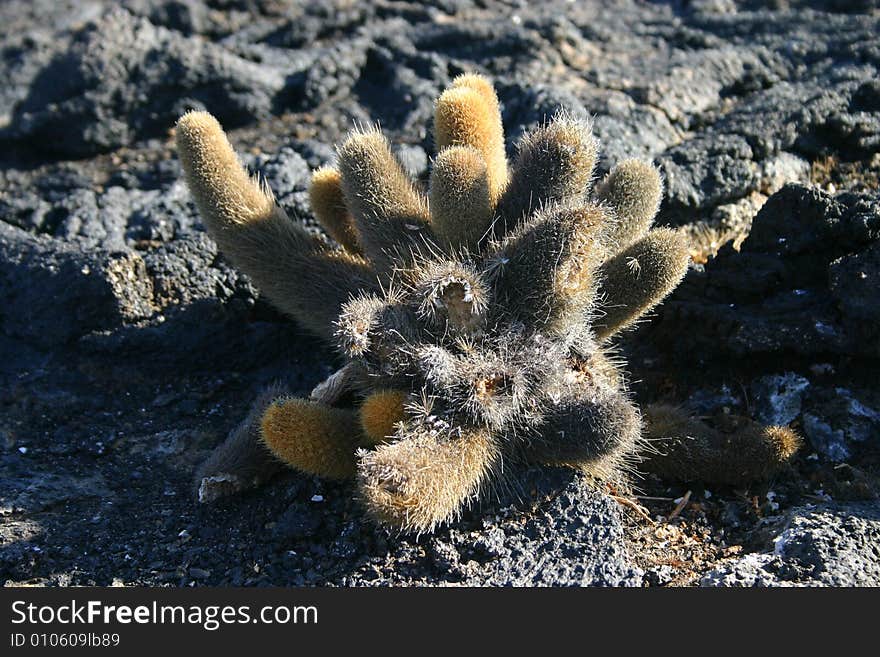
(632, 192)
(735, 451)
(554, 165)
(379, 412)
(328, 204)
(318, 438)
(242, 460)
(296, 271)
(476, 320)
(461, 205)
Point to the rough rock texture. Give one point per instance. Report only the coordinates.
(803, 281)
(824, 546)
(130, 347)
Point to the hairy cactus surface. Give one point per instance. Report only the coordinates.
(734, 450)
(475, 317)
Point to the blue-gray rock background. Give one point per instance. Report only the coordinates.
(129, 347)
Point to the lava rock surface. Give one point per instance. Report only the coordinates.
(130, 347)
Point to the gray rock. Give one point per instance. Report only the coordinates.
(708, 402)
(777, 398)
(704, 173)
(754, 569)
(828, 441)
(777, 294)
(187, 270)
(124, 78)
(414, 160)
(852, 281)
(562, 533)
(573, 539)
(824, 546)
(782, 169)
(53, 292)
(695, 82)
(838, 423)
(42, 491)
